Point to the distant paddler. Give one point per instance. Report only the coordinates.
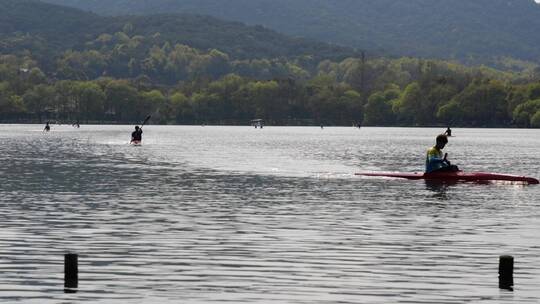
(448, 132)
(136, 136)
(47, 127)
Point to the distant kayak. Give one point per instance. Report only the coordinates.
(454, 176)
(136, 142)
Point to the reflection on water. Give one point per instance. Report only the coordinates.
(217, 214)
(440, 188)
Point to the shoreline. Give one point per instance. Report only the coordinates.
(270, 126)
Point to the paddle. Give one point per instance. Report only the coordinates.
(146, 120)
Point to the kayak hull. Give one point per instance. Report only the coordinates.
(454, 176)
(136, 142)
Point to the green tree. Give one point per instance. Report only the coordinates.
(36, 76)
(203, 103)
(450, 113)
(523, 114)
(484, 103)
(533, 91)
(150, 102)
(181, 108)
(120, 100)
(9, 103)
(409, 107)
(64, 104)
(516, 96)
(535, 120)
(378, 109)
(268, 104)
(39, 100)
(352, 107)
(89, 99)
(218, 64)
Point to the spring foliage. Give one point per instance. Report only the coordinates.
(182, 69)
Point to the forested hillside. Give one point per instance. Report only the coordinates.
(479, 31)
(69, 65)
(61, 28)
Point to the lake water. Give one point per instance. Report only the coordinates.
(243, 215)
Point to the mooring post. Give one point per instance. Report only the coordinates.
(506, 272)
(71, 271)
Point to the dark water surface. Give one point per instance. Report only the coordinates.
(238, 215)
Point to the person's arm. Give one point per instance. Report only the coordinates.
(445, 160)
(435, 159)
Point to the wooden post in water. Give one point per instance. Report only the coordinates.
(71, 271)
(506, 272)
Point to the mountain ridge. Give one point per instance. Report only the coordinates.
(469, 31)
(66, 27)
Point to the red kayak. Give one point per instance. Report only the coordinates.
(455, 176)
(136, 142)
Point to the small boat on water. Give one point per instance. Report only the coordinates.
(257, 123)
(458, 176)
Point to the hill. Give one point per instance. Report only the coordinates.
(471, 31)
(57, 28)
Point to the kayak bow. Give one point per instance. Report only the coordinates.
(454, 176)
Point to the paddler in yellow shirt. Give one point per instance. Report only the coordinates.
(435, 161)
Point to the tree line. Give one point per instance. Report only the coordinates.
(382, 92)
(119, 78)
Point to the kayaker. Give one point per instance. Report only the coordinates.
(435, 161)
(47, 127)
(136, 135)
(448, 132)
